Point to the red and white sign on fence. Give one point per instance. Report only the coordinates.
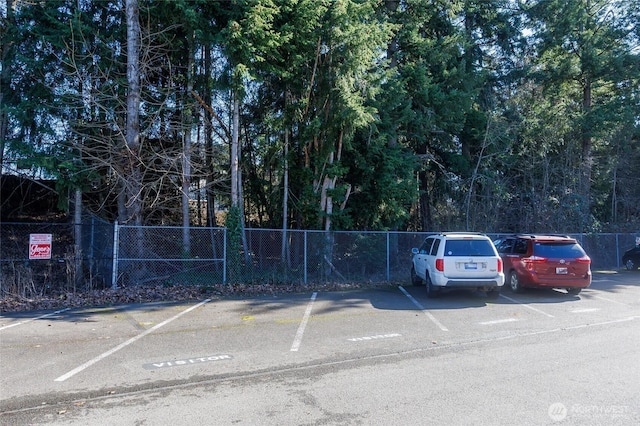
(39, 246)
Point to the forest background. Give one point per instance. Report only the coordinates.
(478, 115)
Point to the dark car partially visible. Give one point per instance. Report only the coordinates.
(631, 258)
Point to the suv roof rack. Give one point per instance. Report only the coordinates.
(461, 233)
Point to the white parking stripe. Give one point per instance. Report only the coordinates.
(527, 306)
(33, 319)
(609, 300)
(580, 311)
(127, 343)
(423, 309)
(575, 327)
(296, 342)
(499, 321)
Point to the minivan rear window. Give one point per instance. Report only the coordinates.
(468, 248)
(558, 250)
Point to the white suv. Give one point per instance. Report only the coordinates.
(457, 260)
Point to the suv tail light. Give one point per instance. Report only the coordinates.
(499, 265)
(440, 265)
(584, 259)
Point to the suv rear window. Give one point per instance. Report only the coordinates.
(556, 250)
(468, 248)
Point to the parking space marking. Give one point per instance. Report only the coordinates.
(376, 337)
(527, 306)
(127, 343)
(500, 321)
(609, 300)
(303, 324)
(576, 327)
(34, 319)
(580, 311)
(423, 309)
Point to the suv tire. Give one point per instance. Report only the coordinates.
(415, 279)
(514, 282)
(574, 290)
(630, 265)
(432, 291)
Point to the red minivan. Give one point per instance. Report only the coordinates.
(547, 261)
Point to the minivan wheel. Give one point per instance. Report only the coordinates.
(514, 283)
(432, 291)
(415, 279)
(630, 265)
(574, 290)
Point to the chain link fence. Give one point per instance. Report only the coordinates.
(269, 256)
(69, 268)
(170, 255)
(122, 255)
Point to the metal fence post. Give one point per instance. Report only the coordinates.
(224, 256)
(114, 275)
(304, 250)
(617, 251)
(388, 258)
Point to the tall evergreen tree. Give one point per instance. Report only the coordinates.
(584, 51)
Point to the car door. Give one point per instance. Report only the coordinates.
(505, 249)
(421, 259)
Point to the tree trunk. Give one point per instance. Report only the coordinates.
(392, 49)
(587, 160)
(5, 79)
(469, 224)
(236, 176)
(132, 176)
(186, 154)
(208, 137)
(426, 218)
(77, 253)
(235, 151)
(285, 195)
(329, 184)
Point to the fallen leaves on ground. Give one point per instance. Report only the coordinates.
(161, 293)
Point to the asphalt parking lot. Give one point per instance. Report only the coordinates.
(48, 357)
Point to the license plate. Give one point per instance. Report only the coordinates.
(561, 271)
(470, 266)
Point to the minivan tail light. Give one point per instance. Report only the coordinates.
(440, 265)
(584, 259)
(530, 262)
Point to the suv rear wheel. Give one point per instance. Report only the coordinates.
(514, 282)
(432, 291)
